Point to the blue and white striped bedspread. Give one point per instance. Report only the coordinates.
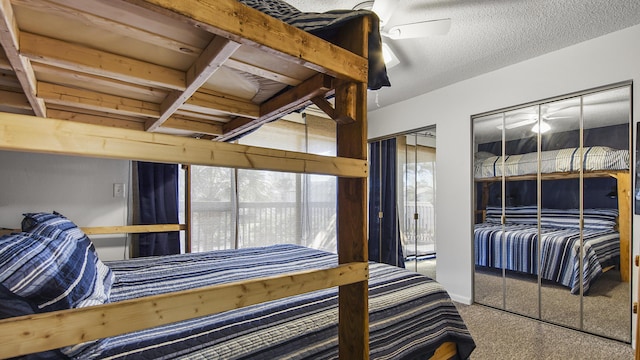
(564, 160)
(559, 260)
(410, 315)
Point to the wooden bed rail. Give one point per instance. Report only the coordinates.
(41, 332)
(45, 135)
(123, 229)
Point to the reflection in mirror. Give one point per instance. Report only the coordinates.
(553, 196)
(489, 272)
(606, 117)
(520, 198)
(416, 210)
(559, 195)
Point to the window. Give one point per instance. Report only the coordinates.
(234, 208)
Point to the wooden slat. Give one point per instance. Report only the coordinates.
(251, 27)
(27, 334)
(207, 103)
(123, 229)
(351, 100)
(193, 125)
(9, 39)
(14, 100)
(76, 57)
(91, 100)
(290, 100)
(218, 51)
(326, 107)
(132, 229)
(10, 81)
(34, 134)
(104, 84)
(558, 176)
(74, 11)
(95, 118)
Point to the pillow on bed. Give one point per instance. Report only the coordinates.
(50, 274)
(482, 155)
(594, 219)
(53, 225)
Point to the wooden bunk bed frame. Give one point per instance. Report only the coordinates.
(623, 179)
(63, 96)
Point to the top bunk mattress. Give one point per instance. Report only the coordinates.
(564, 160)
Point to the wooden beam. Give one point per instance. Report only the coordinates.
(625, 193)
(193, 125)
(95, 117)
(33, 134)
(14, 100)
(60, 328)
(218, 51)
(280, 105)
(10, 81)
(328, 109)
(133, 229)
(215, 104)
(9, 39)
(106, 85)
(76, 57)
(251, 27)
(85, 99)
(351, 100)
(74, 11)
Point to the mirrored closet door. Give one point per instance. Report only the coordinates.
(552, 201)
(402, 200)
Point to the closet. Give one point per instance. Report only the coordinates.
(402, 200)
(552, 197)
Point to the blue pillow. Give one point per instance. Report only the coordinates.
(40, 274)
(53, 225)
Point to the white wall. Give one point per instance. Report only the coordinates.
(79, 188)
(605, 60)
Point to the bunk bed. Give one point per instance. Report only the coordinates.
(175, 82)
(606, 232)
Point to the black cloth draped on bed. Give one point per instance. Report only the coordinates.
(158, 204)
(326, 26)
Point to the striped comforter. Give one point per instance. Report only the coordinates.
(564, 160)
(560, 249)
(410, 315)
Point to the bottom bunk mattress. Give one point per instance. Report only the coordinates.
(560, 249)
(410, 314)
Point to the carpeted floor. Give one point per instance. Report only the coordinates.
(606, 307)
(500, 335)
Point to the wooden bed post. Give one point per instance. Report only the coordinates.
(351, 100)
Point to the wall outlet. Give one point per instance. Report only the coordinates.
(119, 190)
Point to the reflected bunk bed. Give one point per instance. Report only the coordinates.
(175, 82)
(606, 232)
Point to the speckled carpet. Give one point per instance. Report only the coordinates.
(504, 336)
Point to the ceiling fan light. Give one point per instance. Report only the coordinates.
(390, 59)
(541, 128)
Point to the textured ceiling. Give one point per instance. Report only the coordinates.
(485, 35)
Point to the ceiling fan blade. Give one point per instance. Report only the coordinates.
(384, 9)
(419, 29)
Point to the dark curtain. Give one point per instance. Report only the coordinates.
(158, 204)
(384, 233)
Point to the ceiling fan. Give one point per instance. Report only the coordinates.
(385, 9)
